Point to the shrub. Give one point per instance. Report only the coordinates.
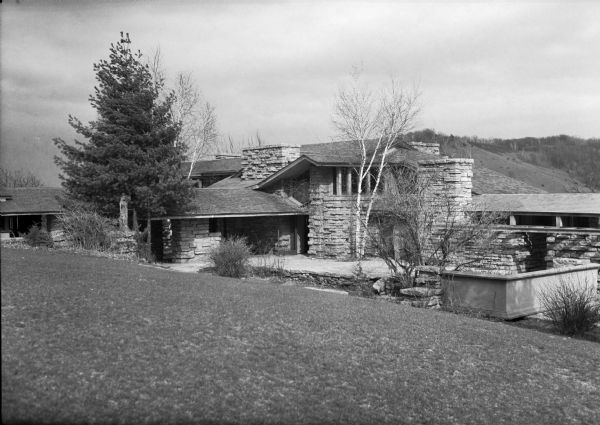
(269, 266)
(231, 257)
(572, 310)
(85, 228)
(37, 237)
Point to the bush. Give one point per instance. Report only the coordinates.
(38, 237)
(269, 266)
(85, 228)
(231, 257)
(572, 310)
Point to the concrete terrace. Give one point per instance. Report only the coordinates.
(372, 267)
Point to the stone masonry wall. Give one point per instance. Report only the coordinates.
(330, 216)
(566, 249)
(508, 253)
(572, 249)
(329, 219)
(185, 240)
(259, 163)
(450, 177)
(331, 233)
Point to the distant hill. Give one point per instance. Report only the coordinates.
(555, 164)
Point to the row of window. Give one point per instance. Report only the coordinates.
(345, 181)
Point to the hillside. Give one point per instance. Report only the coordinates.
(531, 163)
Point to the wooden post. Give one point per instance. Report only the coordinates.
(338, 180)
(558, 221)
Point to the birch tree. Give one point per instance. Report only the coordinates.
(374, 121)
(197, 116)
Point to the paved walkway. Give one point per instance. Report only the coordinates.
(372, 267)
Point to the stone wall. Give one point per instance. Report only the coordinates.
(519, 252)
(572, 249)
(567, 249)
(331, 232)
(508, 253)
(259, 163)
(187, 239)
(448, 177)
(329, 223)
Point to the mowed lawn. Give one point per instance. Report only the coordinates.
(88, 339)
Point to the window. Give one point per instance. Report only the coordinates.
(345, 178)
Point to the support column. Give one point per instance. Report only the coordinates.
(558, 221)
(349, 181)
(338, 180)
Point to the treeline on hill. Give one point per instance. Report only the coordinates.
(579, 157)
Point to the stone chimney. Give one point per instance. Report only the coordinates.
(260, 162)
(425, 147)
(451, 178)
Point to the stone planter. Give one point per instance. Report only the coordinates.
(515, 295)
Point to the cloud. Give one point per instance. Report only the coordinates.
(501, 69)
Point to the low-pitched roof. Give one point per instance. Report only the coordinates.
(30, 200)
(211, 202)
(543, 203)
(215, 166)
(489, 181)
(233, 182)
(340, 153)
(349, 152)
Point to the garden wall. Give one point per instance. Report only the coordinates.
(514, 295)
(508, 253)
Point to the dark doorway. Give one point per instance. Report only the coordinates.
(156, 242)
(299, 239)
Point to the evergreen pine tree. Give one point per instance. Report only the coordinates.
(130, 148)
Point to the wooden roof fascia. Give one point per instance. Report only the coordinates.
(185, 217)
(274, 177)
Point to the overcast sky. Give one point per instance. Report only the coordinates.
(489, 68)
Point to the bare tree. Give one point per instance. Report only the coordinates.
(196, 116)
(419, 223)
(374, 122)
(18, 178)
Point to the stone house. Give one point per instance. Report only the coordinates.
(291, 199)
(23, 207)
(300, 199)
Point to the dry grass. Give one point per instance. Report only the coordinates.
(88, 339)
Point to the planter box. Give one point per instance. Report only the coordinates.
(515, 295)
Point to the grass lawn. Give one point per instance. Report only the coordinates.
(88, 339)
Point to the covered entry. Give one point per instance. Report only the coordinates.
(269, 222)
